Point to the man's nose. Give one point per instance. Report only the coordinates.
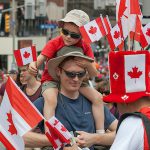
(76, 78)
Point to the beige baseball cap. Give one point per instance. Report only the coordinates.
(75, 16)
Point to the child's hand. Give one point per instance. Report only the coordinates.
(33, 68)
(82, 62)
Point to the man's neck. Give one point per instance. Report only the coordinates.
(70, 94)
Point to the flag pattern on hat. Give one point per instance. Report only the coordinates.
(25, 55)
(17, 114)
(57, 134)
(93, 31)
(129, 75)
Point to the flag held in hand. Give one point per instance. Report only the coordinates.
(25, 55)
(58, 134)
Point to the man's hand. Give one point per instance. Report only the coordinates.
(74, 147)
(85, 139)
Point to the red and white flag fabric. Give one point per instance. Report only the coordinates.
(107, 25)
(53, 138)
(146, 31)
(127, 8)
(4, 138)
(17, 114)
(120, 8)
(58, 134)
(115, 37)
(25, 55)
(138, 34)
(93, 31)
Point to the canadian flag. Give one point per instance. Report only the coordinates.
(120, 8)
(17, 114)
(138, 34)
(127, 8)
(53, 138)
(58, 134)
(4, 138)
(25, 55)
(146, 31)
(115, 37)
(93, 31)
(107, 24)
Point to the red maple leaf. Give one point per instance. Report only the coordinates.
(116, 34)
(63, 128)
(135, 73)
(148, 32)
(26, 54)
(12, 128)
(93, 30)
(56, 121)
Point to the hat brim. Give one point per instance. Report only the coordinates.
(124, 98)
(54, 63)
(61, 22)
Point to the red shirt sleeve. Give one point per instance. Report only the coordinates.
(52, 47)
(87, 49)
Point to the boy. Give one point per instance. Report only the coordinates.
(70, 35)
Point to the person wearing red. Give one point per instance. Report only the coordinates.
(130, 89)
(129, 73)
(70, 36)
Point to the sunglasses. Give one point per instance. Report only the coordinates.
(72, 34)
(74, 74)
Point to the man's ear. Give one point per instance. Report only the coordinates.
(58, 71)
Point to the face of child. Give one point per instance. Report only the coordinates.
(71, 29)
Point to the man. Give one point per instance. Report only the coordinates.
(73, 109)
(130, 89)
(129, 86)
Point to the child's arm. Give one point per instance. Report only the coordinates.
(50, 103)
(91, 69)
(97, 106)
(33, 67)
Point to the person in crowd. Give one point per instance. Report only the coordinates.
(104, 89)
(70, 35)
(13, 74)
(73, 109)
(32, 88)
(132, 95)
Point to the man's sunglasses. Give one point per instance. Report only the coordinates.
(74, 74)
(72, 34)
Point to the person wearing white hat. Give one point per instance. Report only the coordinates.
(70, 36)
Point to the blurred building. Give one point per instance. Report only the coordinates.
(35, 22)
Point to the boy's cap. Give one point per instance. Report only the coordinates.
(78, 17)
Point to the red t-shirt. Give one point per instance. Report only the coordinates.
(53, 46)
